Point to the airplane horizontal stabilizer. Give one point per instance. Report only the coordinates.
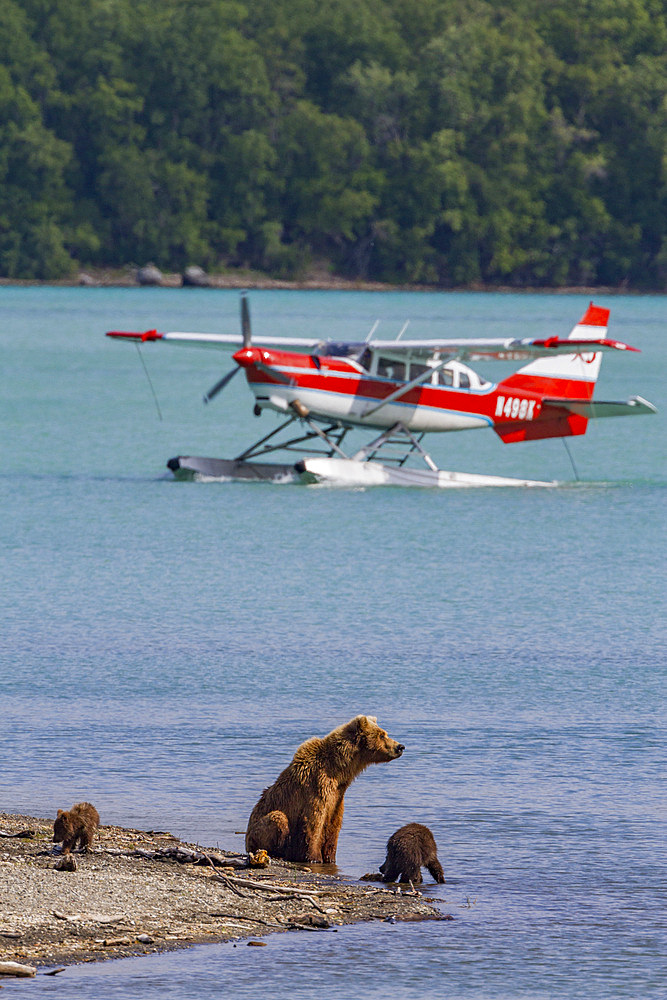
(594, 409)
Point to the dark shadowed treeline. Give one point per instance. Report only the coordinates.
(438, 141)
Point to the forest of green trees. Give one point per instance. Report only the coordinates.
(444, 142)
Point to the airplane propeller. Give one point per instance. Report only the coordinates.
(247, 339)
(220, 385)
(247, 342)
(274, 373)
(245, 321)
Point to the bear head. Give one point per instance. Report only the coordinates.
(373, 743)
(62, 827)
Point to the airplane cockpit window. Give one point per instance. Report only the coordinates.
(387, 368)
(331, 348)
(365, 359)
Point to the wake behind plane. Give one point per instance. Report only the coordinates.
(402, 389)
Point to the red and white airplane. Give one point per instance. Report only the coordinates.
(404, 389)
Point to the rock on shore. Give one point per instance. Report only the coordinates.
(139, 892)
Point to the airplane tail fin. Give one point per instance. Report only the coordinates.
(562, 377)
(571, 376)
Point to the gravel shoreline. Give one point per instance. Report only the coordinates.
(140, 892)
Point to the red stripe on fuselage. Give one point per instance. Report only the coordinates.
(545, 385)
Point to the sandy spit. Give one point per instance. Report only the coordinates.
(132, 896)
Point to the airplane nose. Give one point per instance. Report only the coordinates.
(247, 356)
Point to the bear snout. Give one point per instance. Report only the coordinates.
(399, 749)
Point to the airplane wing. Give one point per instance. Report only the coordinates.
(497, 349)
(463, 349)
(224, 340)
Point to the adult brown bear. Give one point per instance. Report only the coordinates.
(410, 848)
(299, 817)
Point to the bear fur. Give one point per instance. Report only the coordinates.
(76, 826)
(408, 850)
(299, 817)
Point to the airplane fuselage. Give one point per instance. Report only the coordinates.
(339, 389)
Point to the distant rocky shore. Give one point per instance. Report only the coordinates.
(195, 277)
(320, 279)
(145, 891)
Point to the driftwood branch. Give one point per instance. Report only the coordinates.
(186, 855)
(16, 969)
(233, 881)
(267, 886)
(226, 880)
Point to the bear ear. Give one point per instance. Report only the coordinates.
(364, 722)
(354, 727)
(60, 813)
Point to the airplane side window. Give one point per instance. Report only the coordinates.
(416, 370)
(446, 377)
(464, 381)
(391, 369)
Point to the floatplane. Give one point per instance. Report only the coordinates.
(401, 390)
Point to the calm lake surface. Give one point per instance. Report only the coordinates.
(166, 646)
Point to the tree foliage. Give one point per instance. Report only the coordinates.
(450, 142)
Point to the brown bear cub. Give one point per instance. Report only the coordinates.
(410, 848)
(299, 817)
(77, 826)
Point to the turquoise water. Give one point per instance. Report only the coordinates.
(166, 646)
